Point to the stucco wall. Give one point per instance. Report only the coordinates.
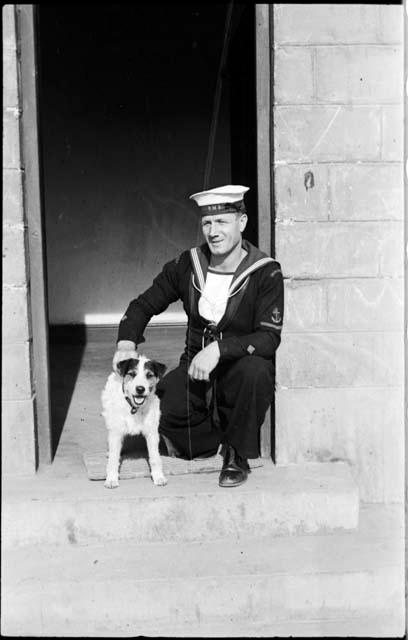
(338, 123)
(18, 450)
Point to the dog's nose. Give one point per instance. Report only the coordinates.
(140, 390)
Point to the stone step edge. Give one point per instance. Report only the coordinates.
(261, 598)
(177, 520)
(283, 500)
(268, 477)
(385, 626)
(378, 543)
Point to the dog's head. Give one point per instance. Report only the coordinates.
(139, 379)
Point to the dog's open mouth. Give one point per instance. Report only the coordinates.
(135, 402)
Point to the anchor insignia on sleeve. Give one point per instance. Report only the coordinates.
(276, 315)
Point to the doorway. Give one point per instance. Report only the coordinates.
(126, 100)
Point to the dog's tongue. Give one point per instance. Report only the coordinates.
(138, 400)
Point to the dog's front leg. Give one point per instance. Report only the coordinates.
(112, 468)
(155, 461)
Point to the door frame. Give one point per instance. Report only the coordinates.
(27, 33)
(264, 102)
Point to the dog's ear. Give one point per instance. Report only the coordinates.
(157, 368)
(123, 366)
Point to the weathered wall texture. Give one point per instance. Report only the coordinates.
(18, 450)
(338, 125)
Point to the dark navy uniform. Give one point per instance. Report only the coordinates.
(197, 415)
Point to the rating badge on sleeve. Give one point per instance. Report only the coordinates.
(276, 316)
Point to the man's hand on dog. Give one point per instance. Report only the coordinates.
(204, 362)
(125, 349)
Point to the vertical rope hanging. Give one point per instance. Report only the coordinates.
(209, 162)
(217, 103)
(217, 97)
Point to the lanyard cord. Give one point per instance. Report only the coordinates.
(207, 175)
(217, 96)
(191, 294)
(217, 102)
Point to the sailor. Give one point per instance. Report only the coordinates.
(233, 296)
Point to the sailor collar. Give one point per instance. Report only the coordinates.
(254, 260)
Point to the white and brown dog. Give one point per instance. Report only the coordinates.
(130, 406)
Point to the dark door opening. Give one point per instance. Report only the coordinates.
(126, 99)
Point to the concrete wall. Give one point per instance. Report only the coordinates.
(18, 449)
(338, 122)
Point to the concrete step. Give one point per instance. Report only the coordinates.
(382, 626)
(252, 586)
(274, 501)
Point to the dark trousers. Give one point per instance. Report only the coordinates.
(244, 390)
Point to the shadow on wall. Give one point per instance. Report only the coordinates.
(66, 352)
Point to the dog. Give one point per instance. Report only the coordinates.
(130, 406)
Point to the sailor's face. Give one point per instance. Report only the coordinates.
(223, 231)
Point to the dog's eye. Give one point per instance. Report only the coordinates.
(149, 374)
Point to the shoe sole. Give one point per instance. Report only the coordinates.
(236, 484)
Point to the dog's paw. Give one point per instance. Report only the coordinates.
(159, 479)
(111, 483)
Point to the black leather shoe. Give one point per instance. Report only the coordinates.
(234, 470)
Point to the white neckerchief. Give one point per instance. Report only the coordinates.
(214, 297)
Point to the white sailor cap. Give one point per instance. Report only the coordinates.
(220, 199)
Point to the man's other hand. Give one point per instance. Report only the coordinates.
(125, 349)
(204, 362)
